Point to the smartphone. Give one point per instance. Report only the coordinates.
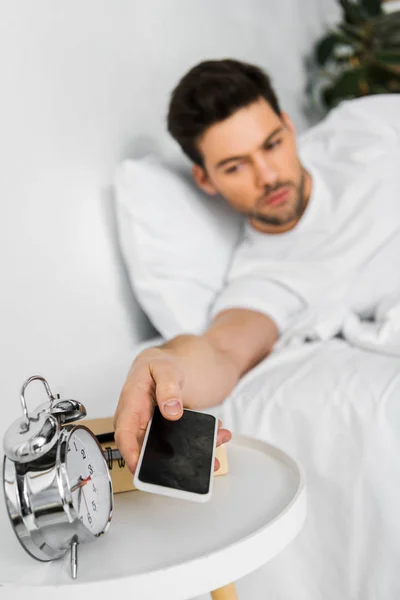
(177, 457)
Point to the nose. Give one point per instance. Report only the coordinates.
(265, 172)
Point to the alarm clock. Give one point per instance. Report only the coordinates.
(57, 484)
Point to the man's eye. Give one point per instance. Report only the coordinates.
(233, 169)
(273, 145)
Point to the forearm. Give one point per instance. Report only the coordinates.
(209, 374)
(205, 368)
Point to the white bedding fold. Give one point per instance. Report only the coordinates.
(336, 409)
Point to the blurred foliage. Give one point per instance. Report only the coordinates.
(361, 56)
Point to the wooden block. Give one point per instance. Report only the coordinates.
(222, 456)
(121, 476)
(228, 592)
(98, 426)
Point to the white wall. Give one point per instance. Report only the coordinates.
(84, 83)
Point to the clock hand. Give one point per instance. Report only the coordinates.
(81, 483)
(83, 494)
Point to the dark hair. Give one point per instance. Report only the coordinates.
(210, 92)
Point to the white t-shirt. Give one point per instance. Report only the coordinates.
(344, 254)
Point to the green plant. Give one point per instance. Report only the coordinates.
(361, 56)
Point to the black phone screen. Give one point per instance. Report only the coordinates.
(178, 454)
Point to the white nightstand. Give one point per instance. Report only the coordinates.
(167, 549)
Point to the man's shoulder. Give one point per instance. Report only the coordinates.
(375, 115)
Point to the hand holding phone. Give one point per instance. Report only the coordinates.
(154, 375)
(177, 457)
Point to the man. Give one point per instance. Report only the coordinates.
(320, 232)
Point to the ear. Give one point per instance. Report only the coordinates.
(288, 122)
(202, 180)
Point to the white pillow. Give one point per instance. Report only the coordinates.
(176, 241)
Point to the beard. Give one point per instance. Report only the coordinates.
(292, 213)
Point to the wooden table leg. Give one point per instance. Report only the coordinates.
(228, 592)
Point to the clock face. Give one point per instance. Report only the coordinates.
(89, 481)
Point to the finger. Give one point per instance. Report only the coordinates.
(147, 379)
(217, 464)
(223, 436)
(169, 382)
(126, 436)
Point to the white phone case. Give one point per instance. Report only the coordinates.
(173, 492)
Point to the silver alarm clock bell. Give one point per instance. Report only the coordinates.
(57, 485)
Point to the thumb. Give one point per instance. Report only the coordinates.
(168, 378)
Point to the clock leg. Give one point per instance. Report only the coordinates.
(74, 557)
(228, 592)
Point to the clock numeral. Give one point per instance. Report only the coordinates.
(89, 518)
(81, 518)
(76, 447)
(83, 454)
(90, 469)
(94, 505)
(94, 488)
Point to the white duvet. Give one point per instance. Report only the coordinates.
(336, 409)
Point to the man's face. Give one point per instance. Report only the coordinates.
(251, 159)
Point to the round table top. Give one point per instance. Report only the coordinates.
(160, 547)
